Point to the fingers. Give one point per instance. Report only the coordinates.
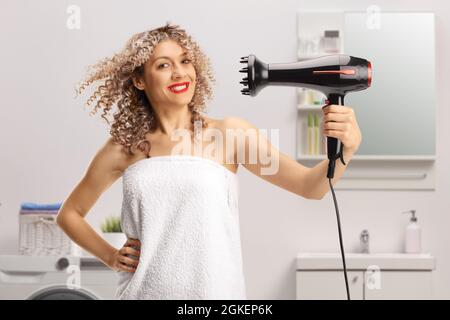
(126, 268)
(125, 263)
(133, 243)
(337, 126)
(128, 261)
(130, 251)
(341, 135)
(128, 257)
(334, 108)
(337, 123)
(338, 117)
(340, 122)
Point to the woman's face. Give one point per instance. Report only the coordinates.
(169, 75)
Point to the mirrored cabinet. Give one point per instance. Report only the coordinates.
(396, 115)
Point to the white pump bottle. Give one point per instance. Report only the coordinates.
(413, 235)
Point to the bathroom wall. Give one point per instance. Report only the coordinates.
(48, 137)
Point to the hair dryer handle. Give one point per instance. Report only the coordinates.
(334, 143)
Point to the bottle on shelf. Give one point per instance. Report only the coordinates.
(310, 134)
(316, 134)
(330, 43)
(413, 235)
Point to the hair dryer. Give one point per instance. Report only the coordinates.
(333, 75)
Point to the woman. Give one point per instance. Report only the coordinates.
(180, 200)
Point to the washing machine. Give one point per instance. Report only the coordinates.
(56, 278)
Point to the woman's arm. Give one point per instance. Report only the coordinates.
(261, 158)
(287, 173)
(338, 122)
(103, 171)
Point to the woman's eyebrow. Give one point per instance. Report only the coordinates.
(165, 57)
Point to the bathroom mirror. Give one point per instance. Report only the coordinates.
(396, 114)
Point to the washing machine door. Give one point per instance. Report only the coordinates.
(61, 292)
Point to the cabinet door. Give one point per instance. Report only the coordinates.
(329, 285)
(398, 285)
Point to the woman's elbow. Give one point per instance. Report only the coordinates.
(60, 219)
(63, 217)
(315, 196)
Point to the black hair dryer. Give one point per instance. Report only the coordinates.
(333, 75)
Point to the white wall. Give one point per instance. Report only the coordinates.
(48, 138)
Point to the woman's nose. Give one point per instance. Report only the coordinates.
(177, 72)
(177, 75)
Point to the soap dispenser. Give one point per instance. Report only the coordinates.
(413, 234)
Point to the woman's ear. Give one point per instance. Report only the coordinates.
(138, 82)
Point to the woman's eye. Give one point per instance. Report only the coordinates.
(186, 61)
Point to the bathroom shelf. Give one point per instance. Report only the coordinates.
(383, 172)
(310, 107)
(370, 158)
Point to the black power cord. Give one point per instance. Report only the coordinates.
(340, 238)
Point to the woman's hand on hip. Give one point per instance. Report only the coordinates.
(127, 258)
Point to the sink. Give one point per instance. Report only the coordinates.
(362, 261)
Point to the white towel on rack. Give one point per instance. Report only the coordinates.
(184, 210)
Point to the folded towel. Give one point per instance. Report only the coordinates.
(28, 212)
(37, 206)
(184, 210)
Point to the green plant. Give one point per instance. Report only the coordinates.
(111, 224)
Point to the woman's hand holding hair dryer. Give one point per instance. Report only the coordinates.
(340, 122)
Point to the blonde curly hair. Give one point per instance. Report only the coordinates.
(135, 116)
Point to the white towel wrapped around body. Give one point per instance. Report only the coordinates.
(184, 210)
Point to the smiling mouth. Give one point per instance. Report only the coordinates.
(179, 87)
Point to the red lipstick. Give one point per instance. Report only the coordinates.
(179, 87)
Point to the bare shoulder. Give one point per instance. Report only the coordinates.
(103, 170)
(233, 122)
(112, 156)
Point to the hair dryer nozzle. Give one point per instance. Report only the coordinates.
(257, 74)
